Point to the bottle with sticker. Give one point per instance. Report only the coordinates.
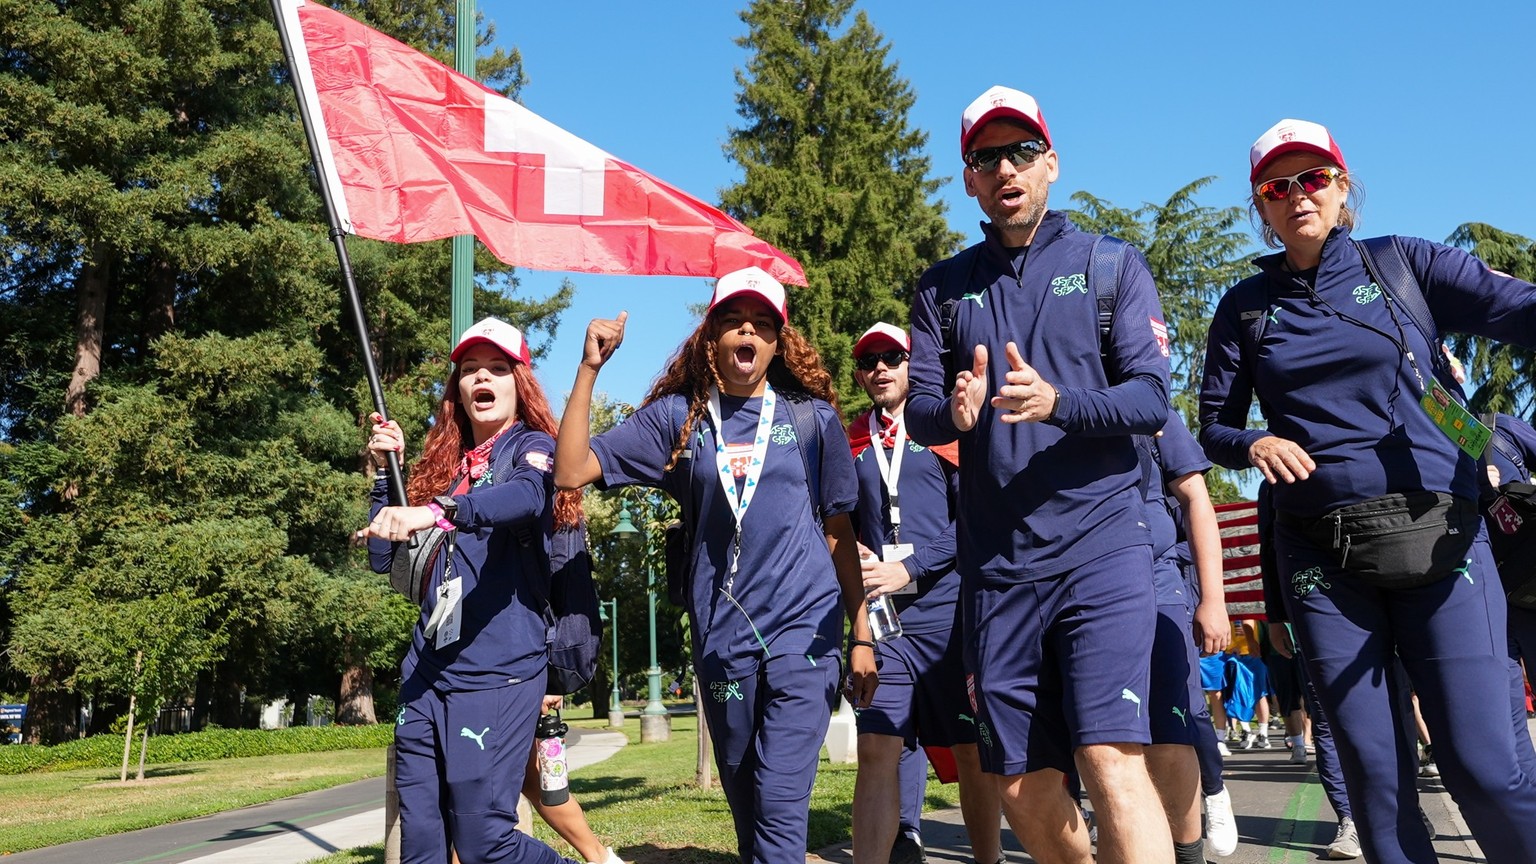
(554, 781)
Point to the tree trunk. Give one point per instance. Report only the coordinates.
(122, 776)
(160, 303)
(143, 751)
(51, 714)
(355, 704)
(706, 750)
(90, 324)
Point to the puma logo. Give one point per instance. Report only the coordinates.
(479, 739)
(1128, 696)
(1181, 714)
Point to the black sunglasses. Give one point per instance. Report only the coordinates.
(1019, 154)
(892, 358)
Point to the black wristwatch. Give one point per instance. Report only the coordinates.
(450, 506)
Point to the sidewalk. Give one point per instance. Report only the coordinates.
(287, 831)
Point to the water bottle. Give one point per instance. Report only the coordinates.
(883, 623)
(554, 782)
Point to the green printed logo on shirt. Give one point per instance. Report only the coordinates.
(784, 433)
(976, 296)
(1063, 285)
(1367, 293)
(1308, 580)
(725, 691)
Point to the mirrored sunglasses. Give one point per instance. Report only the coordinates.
(1310, 181)
(892, 358)
(1019, 154)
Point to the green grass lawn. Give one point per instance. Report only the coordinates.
(644, 803)
(45, 808)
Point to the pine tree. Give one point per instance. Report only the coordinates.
(179, 398)
(833, 174)
(1498, 374)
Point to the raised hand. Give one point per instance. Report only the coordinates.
(604, 336)
(970, 392)
(1026, 398)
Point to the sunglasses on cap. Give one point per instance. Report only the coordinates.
(1018, 154)
(892, 358)
(1310, 180)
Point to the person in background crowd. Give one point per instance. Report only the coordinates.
(1054, 555)
(741, 429)
(473, 679)
(1374, 474)
(905, 523)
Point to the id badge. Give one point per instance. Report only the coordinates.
(898, 552)
(447, 616)
(1455, 421)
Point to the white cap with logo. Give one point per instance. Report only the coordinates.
(754, 282)
(496, 332)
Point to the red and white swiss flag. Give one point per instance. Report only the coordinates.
(421, 152)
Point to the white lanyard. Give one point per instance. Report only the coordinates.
(890, 471)
(740, 503)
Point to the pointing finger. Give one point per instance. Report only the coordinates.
(979, 364)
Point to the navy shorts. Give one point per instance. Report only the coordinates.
(1174, 659)
(921, 698)
(1055, 662)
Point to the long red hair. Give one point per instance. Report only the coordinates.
(451, 435)
(692, 371)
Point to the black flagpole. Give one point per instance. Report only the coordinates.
(338, 237)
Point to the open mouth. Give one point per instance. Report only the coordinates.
(1011, 197)
(745, 357)
(483, 398)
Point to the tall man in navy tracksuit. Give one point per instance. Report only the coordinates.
(1053, 549)
(907, 540)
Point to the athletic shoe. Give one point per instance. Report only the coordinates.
(907, 850)
(1346, 843)
(1427, 766)
(1247, 742)
(1223, 749)
(613, 858)
(1220, 825)
(1263, 743)
(1298, 753)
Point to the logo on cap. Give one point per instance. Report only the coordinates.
(1288, 135)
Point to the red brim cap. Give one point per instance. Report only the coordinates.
(1292, 136)
(754, 282)
(496, 332)
(880, 336)
(1001, 102)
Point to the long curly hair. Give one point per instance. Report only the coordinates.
(451, 436)
(692, 371)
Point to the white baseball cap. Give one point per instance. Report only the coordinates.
(998, 102)
(496, 332)
(879, 336)
(752, 281)
(1292, 136)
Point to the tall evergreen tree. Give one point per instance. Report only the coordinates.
(1195, 253)
(179, 396)
(832, 173)
(1498, 375)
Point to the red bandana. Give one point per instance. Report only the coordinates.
(474, 464)
(858, 438)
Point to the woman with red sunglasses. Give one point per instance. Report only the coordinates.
(1373, 462)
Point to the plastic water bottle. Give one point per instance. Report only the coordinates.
(883, 623)
(554, 781)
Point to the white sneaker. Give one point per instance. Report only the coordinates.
(613, 858)
(1298, 753)
(1346, 843)
(1220, 824)
(1223, 749)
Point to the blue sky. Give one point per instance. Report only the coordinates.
(1432, 105)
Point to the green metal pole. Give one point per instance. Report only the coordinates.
(615, 708)
(654, 706)
(462, 305)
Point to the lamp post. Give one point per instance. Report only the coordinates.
(655, 722)
(615, 709)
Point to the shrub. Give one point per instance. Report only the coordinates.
(104, 751)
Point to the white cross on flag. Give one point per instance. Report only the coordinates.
(421, 152)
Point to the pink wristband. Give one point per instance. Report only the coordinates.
(437, 513)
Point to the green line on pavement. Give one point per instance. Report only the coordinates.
(1294, 830)
(362, 805)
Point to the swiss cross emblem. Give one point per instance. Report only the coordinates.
(740, 456)
(1160, 333)
(1509, 521)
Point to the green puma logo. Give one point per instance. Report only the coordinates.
(977, 297)
(1465, 570)
(479, 739)
(1182, 715)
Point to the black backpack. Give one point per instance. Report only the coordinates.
(574, 628)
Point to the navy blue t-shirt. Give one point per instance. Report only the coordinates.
(1163, 459)
(927, 485)
(1331, 372)
(1040, 499)
(785, 598)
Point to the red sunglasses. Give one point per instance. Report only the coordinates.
(1310, 181)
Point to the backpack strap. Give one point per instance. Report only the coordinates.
(1388, 266)
(956, 278)
(1500, 443)
(802, 414)
(1105, 260)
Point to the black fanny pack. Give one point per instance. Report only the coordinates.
(1398, 540)
(1516, 553)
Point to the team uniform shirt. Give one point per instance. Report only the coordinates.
(1512, 537)
(1044, 498)
(784, 597)
(1163, 459)
(926, 485)
(502, 633)
(1332, 375)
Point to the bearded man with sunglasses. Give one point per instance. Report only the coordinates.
(906, 530)
(1057, 603)
(1372, 460)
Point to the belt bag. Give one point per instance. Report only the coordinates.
(1517, 567)
(1400, 540)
